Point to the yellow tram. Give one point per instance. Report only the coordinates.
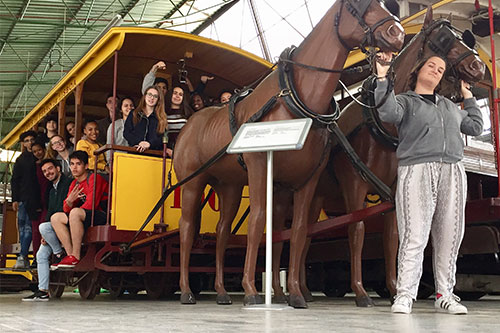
(118, 62)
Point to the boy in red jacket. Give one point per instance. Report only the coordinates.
(78, 208)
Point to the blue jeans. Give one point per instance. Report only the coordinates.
(24, 227)
(43, 255)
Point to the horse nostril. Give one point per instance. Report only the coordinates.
(394, 31)
(476, 65)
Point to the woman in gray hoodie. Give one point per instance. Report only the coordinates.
(432, 185)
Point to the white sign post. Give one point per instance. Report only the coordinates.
(268, 137)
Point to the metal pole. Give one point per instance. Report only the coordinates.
(269, 226)
(112, 152)
(260, 32)
(495, 92)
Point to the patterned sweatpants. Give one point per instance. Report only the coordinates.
(431, 199)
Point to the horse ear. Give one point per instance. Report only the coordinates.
(428, 17)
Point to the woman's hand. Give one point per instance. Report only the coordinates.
(142, 146)
(157, 66)
(382, 68)
(465, 87)
(169, 152)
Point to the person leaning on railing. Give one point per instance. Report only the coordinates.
(145, 126)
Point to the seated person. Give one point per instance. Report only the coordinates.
(225, 96)
(126, 105)
(145, 126)
(151, 80)
(178, 112)
(50, 243)
(197, 102)
(78, 208)
(89, 145)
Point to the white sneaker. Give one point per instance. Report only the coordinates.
(402, 304)
(450, 304)
(22, 263)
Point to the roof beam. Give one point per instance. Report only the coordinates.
(11, 28)
(222, 10)
(59, 34)
(171, 12)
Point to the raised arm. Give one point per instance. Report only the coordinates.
(472, 124)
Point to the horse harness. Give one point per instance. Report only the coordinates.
(298, 108)
(358, 8)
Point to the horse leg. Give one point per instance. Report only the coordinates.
(256, 165)
(315, 211)
(301, 215)
(356, 239)
(354, 198)
(281, 205)
(229, 198)
(191, 201)
(390, 251)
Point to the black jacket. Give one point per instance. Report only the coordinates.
(24, 184)
(57, 197)
(144, 130)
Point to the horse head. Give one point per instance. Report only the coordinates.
(441, 38)
(376, 26)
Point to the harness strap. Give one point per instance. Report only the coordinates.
(291, 98)
(365, 173)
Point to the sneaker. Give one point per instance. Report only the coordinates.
(450, 304)
(56, 259)
(22, 263)
(38, 296)
(68, 262)
(402, 304)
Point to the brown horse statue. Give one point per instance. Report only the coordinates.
(348, 23)
(341, 180)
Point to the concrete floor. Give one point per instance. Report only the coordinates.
(127, 314)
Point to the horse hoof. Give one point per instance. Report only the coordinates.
(364, 302)
(297, 301)
(224, 299)
(252, 300)
(188, 298)
(308, 296)
(280, 299)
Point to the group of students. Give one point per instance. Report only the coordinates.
(54, 208)
(52, 181)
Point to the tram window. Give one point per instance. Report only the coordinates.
(483, 141)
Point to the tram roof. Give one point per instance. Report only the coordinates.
(137, 50)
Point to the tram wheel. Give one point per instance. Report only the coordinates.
(88, 286)
(115, 286)
(57, 284)
(154, 283)
(171, 285)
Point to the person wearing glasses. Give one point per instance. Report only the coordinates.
(25, 196)
(61, 153)
(145, 126)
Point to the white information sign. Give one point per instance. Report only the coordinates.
(270, 136)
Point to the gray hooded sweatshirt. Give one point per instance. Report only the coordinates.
(428, 132)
